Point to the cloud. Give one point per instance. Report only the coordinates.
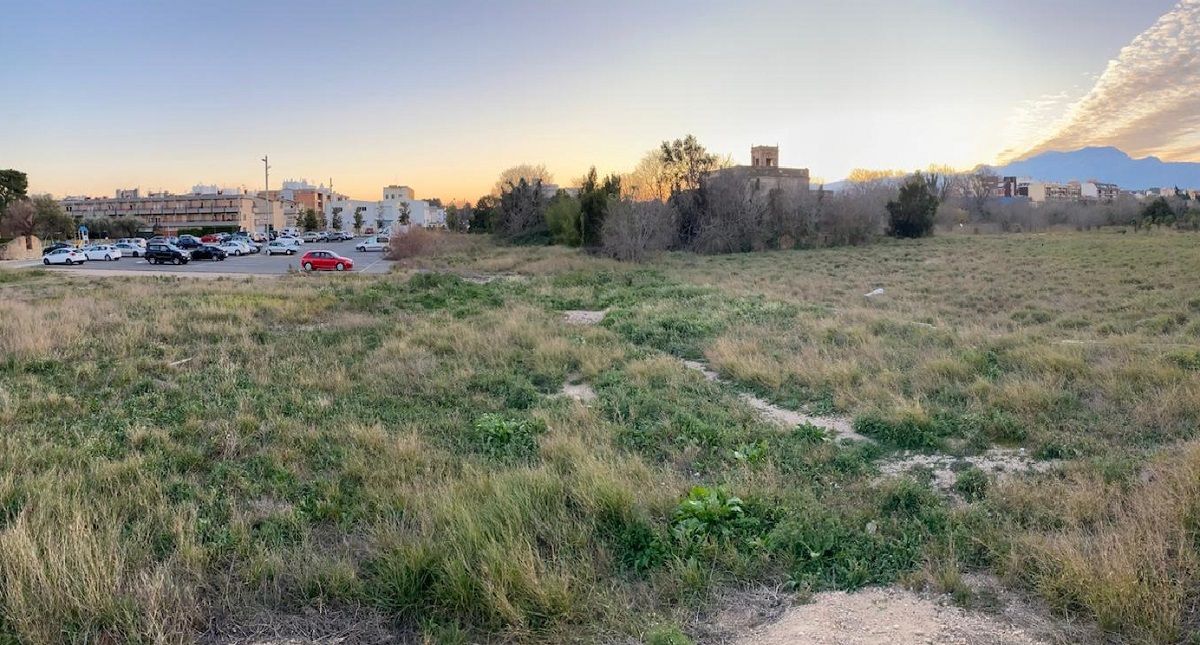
(1147, 101)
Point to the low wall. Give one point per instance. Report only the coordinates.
(15, 249)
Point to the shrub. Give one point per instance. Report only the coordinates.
(419, 242)
(635, 230)
(912, 213)
(972, 484)
(910, 430)
(562, 217)
(667, 635)
(711, 513)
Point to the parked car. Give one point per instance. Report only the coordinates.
(105, 252)
(56, 246)
(231, 247)
(211, 238)
(322, 260)
(64, 255)
(131, 250)
(373, 243)
(291, 239)
(311, 236)
(208, 252)
(188, 242)
(279, 247)
(134, 241)
(166, 253)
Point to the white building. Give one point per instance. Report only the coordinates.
(383, 215)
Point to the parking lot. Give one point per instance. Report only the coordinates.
(257, 264)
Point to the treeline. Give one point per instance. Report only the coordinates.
(674, 200)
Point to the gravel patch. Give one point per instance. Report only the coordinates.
(886, 616)
(999, 463)
(584, 317)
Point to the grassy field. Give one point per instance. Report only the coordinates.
(390, 457)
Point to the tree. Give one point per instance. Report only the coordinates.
(50, 222)
(458, 218)
(685, 163)
(648, 179)
(1158, 212)
(484, 215)
(13, 184)
(337, 218)
(978, 190)
(405, 214)
(594, 198)
(125, 227)
(309, 221)
(530, 173)
(634, 230)
(912, 213)
(562, 218)
(358, 220)
(19, 220)
(522, 212)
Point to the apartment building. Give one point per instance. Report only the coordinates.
(384, 214)
(206, 208)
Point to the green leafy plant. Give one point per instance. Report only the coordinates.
(498, 436)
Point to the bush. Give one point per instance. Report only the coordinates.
(418, 242)
(562, 217)
(912, 213)
(911, 431)
(972, 484)
(635, 230)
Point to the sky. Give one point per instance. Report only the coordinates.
(443, 95)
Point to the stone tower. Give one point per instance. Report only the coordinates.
(764, 156)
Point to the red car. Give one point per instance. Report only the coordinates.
(325, 261)
(211, 238)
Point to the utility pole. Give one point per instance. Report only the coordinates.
(267, 196)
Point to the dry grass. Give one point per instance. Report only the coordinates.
(320, 450)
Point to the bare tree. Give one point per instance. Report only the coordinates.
(530, 173)
(635, 230)
(522, 210)
(977, 189)
(732, 220)
(647, 180)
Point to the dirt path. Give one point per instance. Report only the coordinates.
(885, 617)
(840, 426)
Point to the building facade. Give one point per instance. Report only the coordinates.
(384, 215)
(764, 174)
(169, 214)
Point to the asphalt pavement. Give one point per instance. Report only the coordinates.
(256, 264)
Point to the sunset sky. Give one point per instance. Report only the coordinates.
(443, 95)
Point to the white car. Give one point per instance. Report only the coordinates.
(105, 252)
(64, 256)
(234, 248)
(139, 242)
(373, 243)
(132, 250)
(290, 239)
(277, 247)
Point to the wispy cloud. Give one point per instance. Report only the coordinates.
(1147, 101)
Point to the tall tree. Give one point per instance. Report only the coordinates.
(562, 216)
(13, 184)
(358, 220)
(522, 211)
(912, 213)
(648, 180)
(593, 206)
(337, 218)
(686, 162)
(405, 215)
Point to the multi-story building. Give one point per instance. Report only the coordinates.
(205, 209)
(1098, 191)
(764, 173)
(383, 215)
(1041, 191)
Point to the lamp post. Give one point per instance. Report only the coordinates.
(267, 196)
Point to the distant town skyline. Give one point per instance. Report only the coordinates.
(443, 96)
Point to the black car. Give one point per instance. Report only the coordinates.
(189, 243)
(56, 246)
(207, 252)
(166, 253)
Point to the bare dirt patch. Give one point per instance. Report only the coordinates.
(581, 392)
(886, 616)
(584, 317)
(999, 463)
(840, 426)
